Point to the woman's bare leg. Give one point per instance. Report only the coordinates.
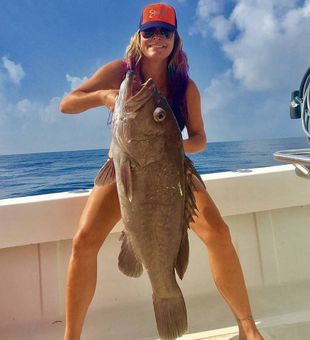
(224, 262)
(99, 216)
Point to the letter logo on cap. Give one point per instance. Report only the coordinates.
(162, 13)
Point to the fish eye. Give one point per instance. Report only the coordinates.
(159, 115)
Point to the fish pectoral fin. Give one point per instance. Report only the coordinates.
(127, 179)
(106, 174)
(128, 263)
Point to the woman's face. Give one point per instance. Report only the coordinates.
(158, 46)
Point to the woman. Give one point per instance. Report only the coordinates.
(155, 52)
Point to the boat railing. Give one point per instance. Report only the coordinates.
(300, 158)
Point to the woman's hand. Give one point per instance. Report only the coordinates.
(197, 139)
(79, 101)
(100, 90)
(195, 143)
(109, 98)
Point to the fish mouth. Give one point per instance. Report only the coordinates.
(137, 93)
(133, 85)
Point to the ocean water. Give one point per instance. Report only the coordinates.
(43, 173)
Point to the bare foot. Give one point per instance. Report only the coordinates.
(248, 329)
(251, 337)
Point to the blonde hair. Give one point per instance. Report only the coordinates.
(177, 60)
(133, 51)
(177, 72)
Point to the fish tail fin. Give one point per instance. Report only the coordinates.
(171, 316)
(128, 263)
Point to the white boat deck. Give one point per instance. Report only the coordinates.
(268, 211)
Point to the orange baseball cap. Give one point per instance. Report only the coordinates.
(158, 15)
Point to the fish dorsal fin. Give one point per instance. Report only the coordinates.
(190, 202)
(126, 178)
(189, 211)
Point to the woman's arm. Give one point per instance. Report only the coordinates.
(100, 90)
(197, 139)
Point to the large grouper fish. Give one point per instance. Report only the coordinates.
(155, 187)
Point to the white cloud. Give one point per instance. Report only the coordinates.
(15, 71)
(75, 81)
(206, 9)
(231, 112)
(220, 27)
(34, 126)
(266, 41)
(23, 105)
(267, 45)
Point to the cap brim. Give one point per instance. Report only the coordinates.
(151, 24)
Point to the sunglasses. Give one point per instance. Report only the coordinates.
(164, 32)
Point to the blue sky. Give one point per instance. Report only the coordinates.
(246, 56)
